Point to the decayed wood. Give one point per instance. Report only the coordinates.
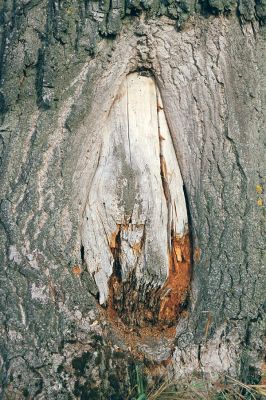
(135, 232)
(57, 87)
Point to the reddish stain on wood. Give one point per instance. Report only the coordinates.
(114, 288)
(137, 248)
(115, 280)
(175, 290)
(170, 298)
(112, 240)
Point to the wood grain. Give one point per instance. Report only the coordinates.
(136, 206)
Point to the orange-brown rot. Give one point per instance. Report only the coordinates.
(112, 239)
(114, 286)
(175, 289)
(114, 281)
(168, 302)
(76, 270)
(137, 248)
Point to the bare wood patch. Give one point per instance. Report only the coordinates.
(135, 230)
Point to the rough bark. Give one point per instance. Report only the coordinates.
(62, 65)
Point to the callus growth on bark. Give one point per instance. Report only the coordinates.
(135, 227)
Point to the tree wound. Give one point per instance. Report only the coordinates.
(135, 226)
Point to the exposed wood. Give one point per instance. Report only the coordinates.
(60, 75)
(135, 223)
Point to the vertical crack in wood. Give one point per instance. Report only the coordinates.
(135, 232)
(115, 280)
(175, 290)
(163, 170)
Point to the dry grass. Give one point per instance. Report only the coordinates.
(202, 389)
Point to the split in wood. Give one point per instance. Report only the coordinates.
(135, 229)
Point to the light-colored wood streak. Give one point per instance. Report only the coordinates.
(136, 206)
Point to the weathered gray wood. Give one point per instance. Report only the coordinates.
(136, 198)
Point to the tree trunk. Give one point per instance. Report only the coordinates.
(132, 194)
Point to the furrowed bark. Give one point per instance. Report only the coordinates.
(149, 278)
